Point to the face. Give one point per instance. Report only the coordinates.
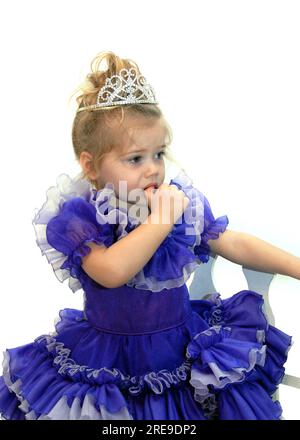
(139, 162)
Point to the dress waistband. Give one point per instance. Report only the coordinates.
(130, 311)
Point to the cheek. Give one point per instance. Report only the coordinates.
(162, 169)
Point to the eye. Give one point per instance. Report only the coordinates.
(162, 153)
(133, 159)
(136, 159)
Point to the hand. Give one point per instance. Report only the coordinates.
(167, 203)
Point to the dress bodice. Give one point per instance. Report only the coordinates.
(128, 310)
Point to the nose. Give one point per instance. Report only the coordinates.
(152, 169)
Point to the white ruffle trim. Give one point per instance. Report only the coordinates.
(220, 378)
(195, 212)
(150, 283)
(65, 189)
(61, 410)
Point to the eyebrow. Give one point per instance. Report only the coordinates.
(142, 149)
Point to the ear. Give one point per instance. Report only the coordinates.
(87, 165)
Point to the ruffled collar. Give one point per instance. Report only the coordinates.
(108, 211)
(174, 260)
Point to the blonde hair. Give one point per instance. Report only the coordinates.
(97, 132)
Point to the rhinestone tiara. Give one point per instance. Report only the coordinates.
(128, 87)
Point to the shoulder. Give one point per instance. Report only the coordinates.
(65, 224)
(67, 191)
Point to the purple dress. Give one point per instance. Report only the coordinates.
(143, 351)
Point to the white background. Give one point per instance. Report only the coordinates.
(226, 74)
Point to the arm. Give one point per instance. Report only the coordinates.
(254, 253)
(114, 266)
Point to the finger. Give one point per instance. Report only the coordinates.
(149, 194)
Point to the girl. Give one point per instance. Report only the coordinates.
(140, 348)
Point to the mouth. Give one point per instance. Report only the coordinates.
(151, 185)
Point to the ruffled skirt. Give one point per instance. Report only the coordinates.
(224, 362)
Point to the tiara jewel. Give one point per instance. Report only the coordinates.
(126, 88)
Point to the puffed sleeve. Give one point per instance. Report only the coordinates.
(75, 226)
(66, 236)
(212, 228)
